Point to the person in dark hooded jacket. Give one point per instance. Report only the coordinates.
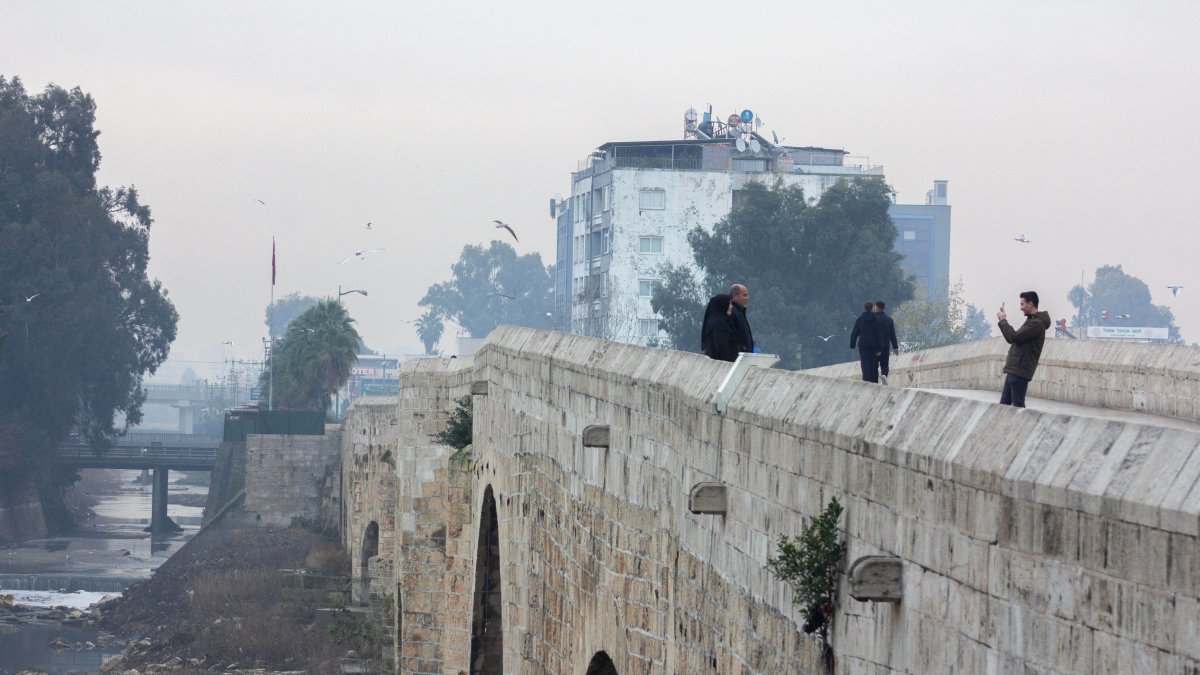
(867, 338)
(1026, 348)
(718, 339)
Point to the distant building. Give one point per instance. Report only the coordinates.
(923, 237)
(632, 204)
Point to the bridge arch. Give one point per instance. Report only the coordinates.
(487, 629)
(601, 664)
(370, 549)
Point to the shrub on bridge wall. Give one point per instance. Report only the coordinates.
(457, 433)
(811, 564)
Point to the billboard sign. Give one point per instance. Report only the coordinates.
(1127, 332)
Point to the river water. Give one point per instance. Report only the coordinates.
(101, 558)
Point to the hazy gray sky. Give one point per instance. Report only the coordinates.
(1074, 123)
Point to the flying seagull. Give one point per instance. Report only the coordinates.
(227, 342)
(30, 298)
(368, 226)
(361, 253)
(824, 338)
(503, 295)
(261, 202)
(500, 224)
(1023, 239)
(1175, 288)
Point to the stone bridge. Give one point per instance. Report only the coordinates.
(1029, 541)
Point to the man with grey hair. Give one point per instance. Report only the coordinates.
(739, 297)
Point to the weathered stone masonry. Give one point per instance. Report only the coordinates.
(1031, 542)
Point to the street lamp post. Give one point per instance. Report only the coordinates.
(347, 292)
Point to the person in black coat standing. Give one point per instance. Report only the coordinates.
(739, 296)
(887, 333)
(866, 336)
(717, 338)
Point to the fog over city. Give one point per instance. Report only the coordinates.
(1072, 123)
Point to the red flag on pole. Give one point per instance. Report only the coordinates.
(272, 261)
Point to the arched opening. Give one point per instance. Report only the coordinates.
(487, 631)
(601, 665)
(370, 549)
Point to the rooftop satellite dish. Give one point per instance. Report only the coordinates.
(734, 120)
(758, 121)
(741, 145)
(747, 116)
(755, 146)
(775, 137)
(691, 116)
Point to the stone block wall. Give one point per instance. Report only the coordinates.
(1031, 542)
(289, 477)
(1153, 378)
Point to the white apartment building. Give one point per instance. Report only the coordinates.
(633, 203)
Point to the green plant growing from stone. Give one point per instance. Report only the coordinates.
(457, 433)
(811, 564)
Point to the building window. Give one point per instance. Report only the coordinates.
(652, 199)
(910, 235)
(647, 327)
(606, 240)
(650, 245)
(645, 287)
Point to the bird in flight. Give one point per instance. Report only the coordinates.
(1023, 239)
(500, 224)
(361, 254)
(1175, 288)
(227, 342)
(368, 226)
(503, 295)
(261, 202)
(31, 297)
(824, 338)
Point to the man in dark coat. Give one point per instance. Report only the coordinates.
(1026, 348)
(717, 337)
(887, 333)
(866, 337)
(739, 296)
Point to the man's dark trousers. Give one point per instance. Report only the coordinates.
(883, 362)
(870, 365)
(1014, 391)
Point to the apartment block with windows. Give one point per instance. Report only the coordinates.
(632, 204)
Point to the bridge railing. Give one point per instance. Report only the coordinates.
(150, 439)
(82, 454)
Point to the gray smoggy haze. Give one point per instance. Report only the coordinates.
(1074, 123)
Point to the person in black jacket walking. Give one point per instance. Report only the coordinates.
(866, 337)
(887, 333)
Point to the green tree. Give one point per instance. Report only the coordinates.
(314, 358)
(946, 319)
(284, 310)
(679, 300)
(492, 286)
(1120, 294)
(85, 323)
(429, 330)
(809, 266)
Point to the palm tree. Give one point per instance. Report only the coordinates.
(315, 356)
(429, 329)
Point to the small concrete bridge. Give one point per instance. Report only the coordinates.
(148, 451)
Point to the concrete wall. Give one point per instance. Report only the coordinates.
(1031, 542)
(21, 514)
(1152, 378)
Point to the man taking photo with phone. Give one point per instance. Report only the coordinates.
(1026, 348)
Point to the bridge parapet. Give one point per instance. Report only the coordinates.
(1152, 378)
(1030, 542)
